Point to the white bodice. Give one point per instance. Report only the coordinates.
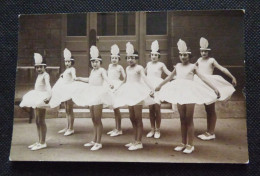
(206, 66)
(133, 73)
(96, 78)
(154, 70)
(185, 71)
(40, 82)
(114, 72)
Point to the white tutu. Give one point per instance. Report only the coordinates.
(63, 91)
(116, 84)
(185, 91)
(91, 95)
(35, 99)
(155, 81)
(132, 93)
(224, 87)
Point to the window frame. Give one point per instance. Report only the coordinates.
(167, 20)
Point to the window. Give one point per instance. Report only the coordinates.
(76, 24)
(156, 23)
(110, 24)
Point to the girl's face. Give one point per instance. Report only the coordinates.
(184, 57)
(68, 63)
(204, 53)
(131, 60)
(40, 69)
(95, 64)
(154, 57)
(114, 60)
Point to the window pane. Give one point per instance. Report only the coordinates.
(156, 23)
(76, 24)
(106, 24)
(126, 24)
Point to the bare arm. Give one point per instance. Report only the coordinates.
(48, 87)
(104, 75)
(147, 82)
(204, 79)
(165, 70)
(225, 71)
(167, 79)
(86, 80)
(73, 73)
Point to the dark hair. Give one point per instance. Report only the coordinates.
(72, 61)
(159, 55)
(136, 57)
(119, 58)
(40, 65)
(93, 60)
(209, 51)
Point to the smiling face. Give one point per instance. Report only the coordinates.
(204, 53)
(114, 60)
(184, 57)
(131, 60)
(95, 64)
(40, 69)
(154, 57)
(68, 63)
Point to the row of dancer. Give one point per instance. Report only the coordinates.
(135, 90)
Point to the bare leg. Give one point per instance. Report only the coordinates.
(189, 123)
(133, 120)
(181, 109)
(91, 108)
(36, 111)
(69, 110)
(118, 119)
(99, 125)
(211, 118)
(152, 115)
(42, 124)
(139, 121)
(158, 115)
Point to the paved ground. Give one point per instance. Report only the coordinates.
(229, 147)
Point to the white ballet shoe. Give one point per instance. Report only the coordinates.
(157, 134)
(189, 149)
(180, 147)
(89, 144)
(150, 134)
(68, 132)
(136, 146)
(207, 136)
(130, 144)
(96, 147)
(62, 131)
(110, 132)
(116, 133)
(39, 146)
(31, 146)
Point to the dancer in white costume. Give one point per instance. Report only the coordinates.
(185, 92)
(95, 95)
(134, 93)
(63, 90)
(206, 66)
(38, 99)
(114, 72)
(154, 70)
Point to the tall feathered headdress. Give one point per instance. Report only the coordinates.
(182, 47)
(130, 50)
(115, 51)
(38, 59)
(67, 55)
(204, 44)
(94, 53)
(155, 47)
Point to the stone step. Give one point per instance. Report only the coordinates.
(229, 109)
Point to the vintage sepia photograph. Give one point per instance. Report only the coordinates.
(163, 87)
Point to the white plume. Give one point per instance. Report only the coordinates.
(66, 54)
(94, 53)
(155, 46)
(37, 58)
(204, 43)
(182, 47)
(129, 48)
(114, 50)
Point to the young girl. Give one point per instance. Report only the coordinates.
(185, 92)
(134, 93)
(206, 66)
(114, 72)
(38, 99)
(95, 95)
(154, 71)
(62, 92)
